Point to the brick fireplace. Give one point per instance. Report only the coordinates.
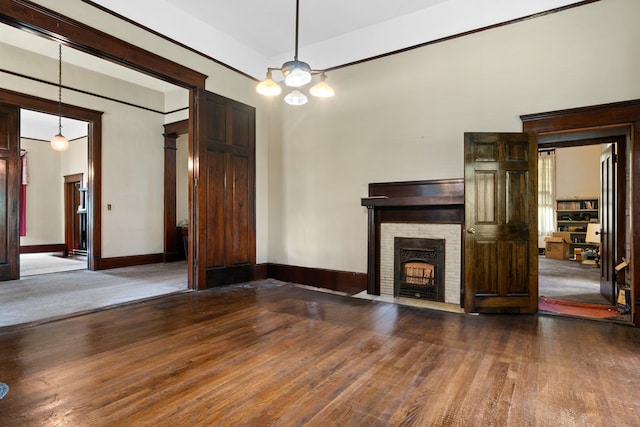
(426, 211)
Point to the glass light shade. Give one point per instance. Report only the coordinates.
(296, 73)
(268, 87)
(59, 143)
(322, 89)
(296, 98)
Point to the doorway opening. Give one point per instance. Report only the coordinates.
(53, 208)
(582, 191)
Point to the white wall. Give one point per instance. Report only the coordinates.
(403, 118)
(45, 190)
(578, 172)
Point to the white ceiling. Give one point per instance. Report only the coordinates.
(43, 126)
(250, 35)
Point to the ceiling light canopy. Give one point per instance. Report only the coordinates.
(296, 74)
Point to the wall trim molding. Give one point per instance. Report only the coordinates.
(335, 280)
(342, 281)
(127, 261)
(51, 247)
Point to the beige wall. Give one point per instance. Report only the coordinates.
(403, 118)
(578, 172)
(45, 190)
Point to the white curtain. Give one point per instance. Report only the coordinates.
(546, 195)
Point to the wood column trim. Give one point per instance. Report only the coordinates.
(170, 232)
(171, 133)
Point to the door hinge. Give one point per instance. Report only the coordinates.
(196, 97)
(614, 158)
(195, 182)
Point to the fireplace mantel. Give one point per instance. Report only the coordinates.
(428, 202)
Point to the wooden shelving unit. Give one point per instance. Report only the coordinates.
(573, 216)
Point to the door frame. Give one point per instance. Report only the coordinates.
(619, 114)
(94, 161)
(71, 220)
(621, 190)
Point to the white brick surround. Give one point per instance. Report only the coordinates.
(451, 233)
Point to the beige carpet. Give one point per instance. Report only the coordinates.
(49, 262)
(43, 297)
(569, 281)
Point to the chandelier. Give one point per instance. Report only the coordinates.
(296, 74)
(59, 142)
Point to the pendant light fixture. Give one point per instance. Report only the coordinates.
(296, 74)
(59, 142)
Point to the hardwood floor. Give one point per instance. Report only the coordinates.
(269, 353)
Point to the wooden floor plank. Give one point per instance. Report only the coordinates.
(270, 353)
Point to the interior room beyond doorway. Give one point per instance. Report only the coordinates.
(570, 205)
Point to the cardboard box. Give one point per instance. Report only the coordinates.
(557, 246)
(577, 254)
(566, 236)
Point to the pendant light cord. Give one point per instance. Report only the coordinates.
(295, 57)
(60, 89)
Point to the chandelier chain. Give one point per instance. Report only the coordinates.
(60, 89)
(295, 56)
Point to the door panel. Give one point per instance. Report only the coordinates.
(215, 209)
(225, 192)
(239, 214)
(9, 192)
(500, 244)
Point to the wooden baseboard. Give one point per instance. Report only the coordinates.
(261, 271)
(127, 261)
(343, 281)
(34, 249)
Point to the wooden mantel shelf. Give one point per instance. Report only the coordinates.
(441, 192)
(412, 201)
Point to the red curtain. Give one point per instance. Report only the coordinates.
(23, 194)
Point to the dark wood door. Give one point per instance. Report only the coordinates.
(225, 191)
(500, 243)
(72, 202)
(9, 192)
(608, 226)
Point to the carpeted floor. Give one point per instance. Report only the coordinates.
(45, 297)
(573, 289)
(49, 262)
(569, 281)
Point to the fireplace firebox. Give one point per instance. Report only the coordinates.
(419, 268)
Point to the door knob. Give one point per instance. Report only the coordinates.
(471, 230)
